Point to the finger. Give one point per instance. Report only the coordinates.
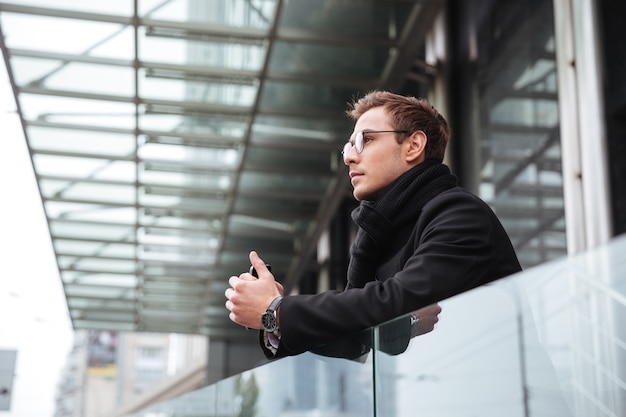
(232, 281)
(435, 308)
(247, 276)
(259, 265)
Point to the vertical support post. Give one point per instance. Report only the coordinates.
(586, 191)
(583, 134)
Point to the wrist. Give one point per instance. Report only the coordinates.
(269, 319)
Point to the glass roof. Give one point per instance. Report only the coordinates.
(169, 138)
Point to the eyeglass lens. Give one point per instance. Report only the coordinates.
(358, 144)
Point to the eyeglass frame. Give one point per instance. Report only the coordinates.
(358, 138)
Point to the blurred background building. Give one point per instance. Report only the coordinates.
(171, 137)
(106, 369)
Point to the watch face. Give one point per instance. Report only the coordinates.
(268, 320)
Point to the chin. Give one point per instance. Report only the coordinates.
(364, 196)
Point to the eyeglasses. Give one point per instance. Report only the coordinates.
(359, 142)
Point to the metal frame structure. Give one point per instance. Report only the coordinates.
(159, 173)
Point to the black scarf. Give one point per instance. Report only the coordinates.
(379, 221)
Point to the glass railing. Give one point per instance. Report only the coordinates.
(550, 341)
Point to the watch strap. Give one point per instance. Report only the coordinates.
(275, 303)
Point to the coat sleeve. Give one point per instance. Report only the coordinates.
(459, 245)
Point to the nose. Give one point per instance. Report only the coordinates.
(350, 156)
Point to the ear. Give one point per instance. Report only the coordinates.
(416, 147)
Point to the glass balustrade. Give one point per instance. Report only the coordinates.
(550, 341)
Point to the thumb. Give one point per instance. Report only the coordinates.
(258, 264)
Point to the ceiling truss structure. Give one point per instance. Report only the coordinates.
(169, 138)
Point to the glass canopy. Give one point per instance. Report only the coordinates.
(171, 137)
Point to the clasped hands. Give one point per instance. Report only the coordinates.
(247, 298)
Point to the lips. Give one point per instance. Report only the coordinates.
(354, 176)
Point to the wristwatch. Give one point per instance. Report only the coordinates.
(268, 319)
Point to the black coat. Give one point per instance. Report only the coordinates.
(456, 244)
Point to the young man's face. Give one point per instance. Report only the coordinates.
(382, 159)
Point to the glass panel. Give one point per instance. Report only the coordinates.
(547, 342)
(86, 303)
(71, 36)
(195, 273)
(257, 13)
(193, 204)
(318, 386)
(64, 229)
(489, 366)
(260, 182)
(155, 286)
(152, 236)
(286, 161)
(81, 142)
(87, 192)
(90, 212)
(259, 226)
(75, 76)
(83, 248)
(123, 292)
(167, 235)
(202, 157)
(31, 70)
(274, 208)
(188, 89)
(102, 315)
(98, 325)
(204, 125)
(103, 169)
(325, 60)
(93, 264)
(166, 309)
(179, 263)
(521, 158)
(221, 181)
(320, 99)
(91, 113)
(282, 139)
(214, 52)
(370, 19)
(162, 218)
(322, 130)
(281, 248)
(116, 7)
(301, 134)
(214, 158)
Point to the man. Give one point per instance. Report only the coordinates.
(421, 238)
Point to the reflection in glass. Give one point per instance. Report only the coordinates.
(520, 157)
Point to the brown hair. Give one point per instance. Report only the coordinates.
(410, 114)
